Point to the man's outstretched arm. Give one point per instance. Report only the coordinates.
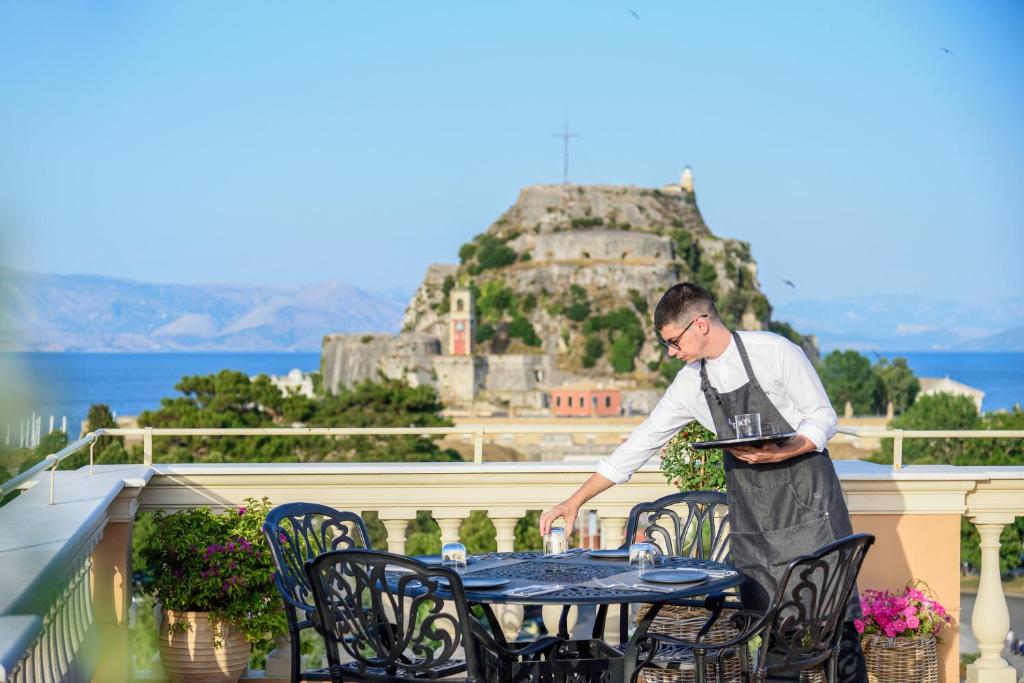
(570, 508)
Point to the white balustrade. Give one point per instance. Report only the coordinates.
(991, 619)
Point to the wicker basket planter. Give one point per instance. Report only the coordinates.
(901, 660)
(685, 623)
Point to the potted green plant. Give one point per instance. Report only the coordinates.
(690, 470)
(214, 577)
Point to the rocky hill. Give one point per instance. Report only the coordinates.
(574, 271)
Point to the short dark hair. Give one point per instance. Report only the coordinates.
(682, 301)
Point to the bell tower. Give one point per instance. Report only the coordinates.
(461, 323)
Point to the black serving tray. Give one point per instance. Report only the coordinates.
(746, 441)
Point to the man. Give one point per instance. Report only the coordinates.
(784, 498)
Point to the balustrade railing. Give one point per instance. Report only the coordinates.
(47, 622)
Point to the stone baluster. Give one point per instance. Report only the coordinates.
(278, 663)
(613, 535)
(990, 621)
(450, 520)
(505, 531)
(396, 521)
(613, 531)
(509, 616)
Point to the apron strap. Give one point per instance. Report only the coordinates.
(706, 386)
(746, 361)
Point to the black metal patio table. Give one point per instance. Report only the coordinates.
(577, 578)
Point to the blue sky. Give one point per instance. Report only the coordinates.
(281, 143)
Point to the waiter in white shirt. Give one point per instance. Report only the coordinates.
(784, 499)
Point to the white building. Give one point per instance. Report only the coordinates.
(295, 382)
(945, 385)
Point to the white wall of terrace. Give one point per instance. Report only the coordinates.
(914, 511)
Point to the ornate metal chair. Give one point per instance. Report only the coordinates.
(800, 631)
(687, 524)
(297, 532)
(385, 613)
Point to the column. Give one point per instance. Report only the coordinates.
(450, 520)
(613, 531)
(111, 597)
(505, 531)
(396, 521)
(990, 621)
(279, 660)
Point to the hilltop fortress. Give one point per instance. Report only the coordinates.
(558, 291)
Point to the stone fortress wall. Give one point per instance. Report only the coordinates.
(600, 245)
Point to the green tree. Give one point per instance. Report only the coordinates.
(521, 328)
(899, 384)
(941, 412)
(494, 300)
(484, 333)
(623, 353)
(593, 349)
(386, 403)
(786, 330)
(528, 532)
(100, 416)
(230, 399)
(492, 253)
(847, 376)
(948, 412)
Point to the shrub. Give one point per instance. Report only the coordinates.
(484, 333)
(201, 561)
(578, 311)
(521, 328)
(690, 470)
(492, 253)
(623, 352)
(593, 349)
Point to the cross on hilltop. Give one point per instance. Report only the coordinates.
(565, 163)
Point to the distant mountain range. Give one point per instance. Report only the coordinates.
(909, 323)
(94, 313)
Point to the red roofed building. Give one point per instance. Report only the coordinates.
(585, 400)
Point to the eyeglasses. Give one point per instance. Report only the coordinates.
(673, 344)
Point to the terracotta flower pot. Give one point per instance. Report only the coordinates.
(192, 656)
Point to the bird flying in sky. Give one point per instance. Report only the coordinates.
(946, 50)
(790, 283)
(635, 15)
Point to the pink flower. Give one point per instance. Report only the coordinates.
(859, 625)
(909, 611)
(913, 622)
(241, 510)
(890, 631)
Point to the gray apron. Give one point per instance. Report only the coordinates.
(779, 510)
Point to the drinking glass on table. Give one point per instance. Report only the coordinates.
(555, 541)
(643, 557)
(453, 556)
(747, 425)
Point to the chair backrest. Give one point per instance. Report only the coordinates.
(688, 524)
(810, 604)
(384, 611)
(297, 532)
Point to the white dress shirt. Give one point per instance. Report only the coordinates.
(785, 374)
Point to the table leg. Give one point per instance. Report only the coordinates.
(492, 621)
(599, 618)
